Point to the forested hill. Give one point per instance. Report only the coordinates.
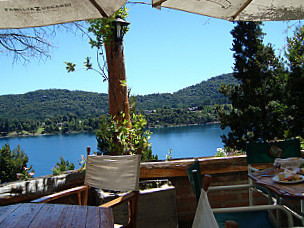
(44, 103)
(204, 93)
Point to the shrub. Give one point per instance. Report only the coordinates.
(13, 164)
(124, 139)
(220, 153)
(63, 166)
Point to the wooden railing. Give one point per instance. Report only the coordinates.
(224, 171)
(26, 190)
(178, 168)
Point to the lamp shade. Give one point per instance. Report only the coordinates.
(119, 26)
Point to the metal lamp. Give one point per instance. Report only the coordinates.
(119, 25)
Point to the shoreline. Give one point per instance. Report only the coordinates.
(14, 135)
(37, 134)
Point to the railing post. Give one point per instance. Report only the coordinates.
(88, 150)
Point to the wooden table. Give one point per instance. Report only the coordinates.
(286, 190)
(55, 215)
(282, 190)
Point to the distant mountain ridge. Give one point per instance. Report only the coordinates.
(204, 93)
(41, 104)
(44, 103)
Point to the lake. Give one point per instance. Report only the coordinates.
(189, 141)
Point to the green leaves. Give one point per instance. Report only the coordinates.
(102, 29)
(123, 83)
(258, 101)
(62, 166)
(295, 48)
(113, 136)
(102, 32)
(70, 66)
(295, 93)
(88, 64)
(13, 164)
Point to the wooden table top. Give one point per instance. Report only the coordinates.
(55, 215)
(289, 190)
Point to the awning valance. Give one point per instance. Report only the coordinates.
(239, 10)
(33, 13)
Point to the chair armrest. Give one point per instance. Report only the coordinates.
(61, 194)
(253, 169)
(230, 187)
(121, 199)
(132, 198)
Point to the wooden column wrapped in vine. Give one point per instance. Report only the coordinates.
(118, 94)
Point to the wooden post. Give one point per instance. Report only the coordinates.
(88, 150)
(118, 91)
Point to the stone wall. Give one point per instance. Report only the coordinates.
(25, 191)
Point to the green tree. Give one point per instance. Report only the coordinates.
(13, 164)
(65, 127)
(257, 112)
(295, 102)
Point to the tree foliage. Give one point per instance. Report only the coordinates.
(295, 103)
(182, 116)
(100, 32)
(120, 138)
(258, 101)
(42, 104)
(51, 125)
(13, 164)
(62, 166)
(201, 94)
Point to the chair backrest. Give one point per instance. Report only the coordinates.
(118, 173)
(195, 179)
(268, 152)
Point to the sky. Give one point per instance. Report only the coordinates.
(165, 51)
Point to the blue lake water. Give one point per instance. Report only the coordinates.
(189, 141)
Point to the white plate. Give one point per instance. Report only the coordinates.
(276, 179)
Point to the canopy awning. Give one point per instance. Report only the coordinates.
(34, 13)
(239, 10)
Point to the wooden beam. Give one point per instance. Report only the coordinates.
(176, 168)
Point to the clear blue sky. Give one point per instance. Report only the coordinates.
(165, 51)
